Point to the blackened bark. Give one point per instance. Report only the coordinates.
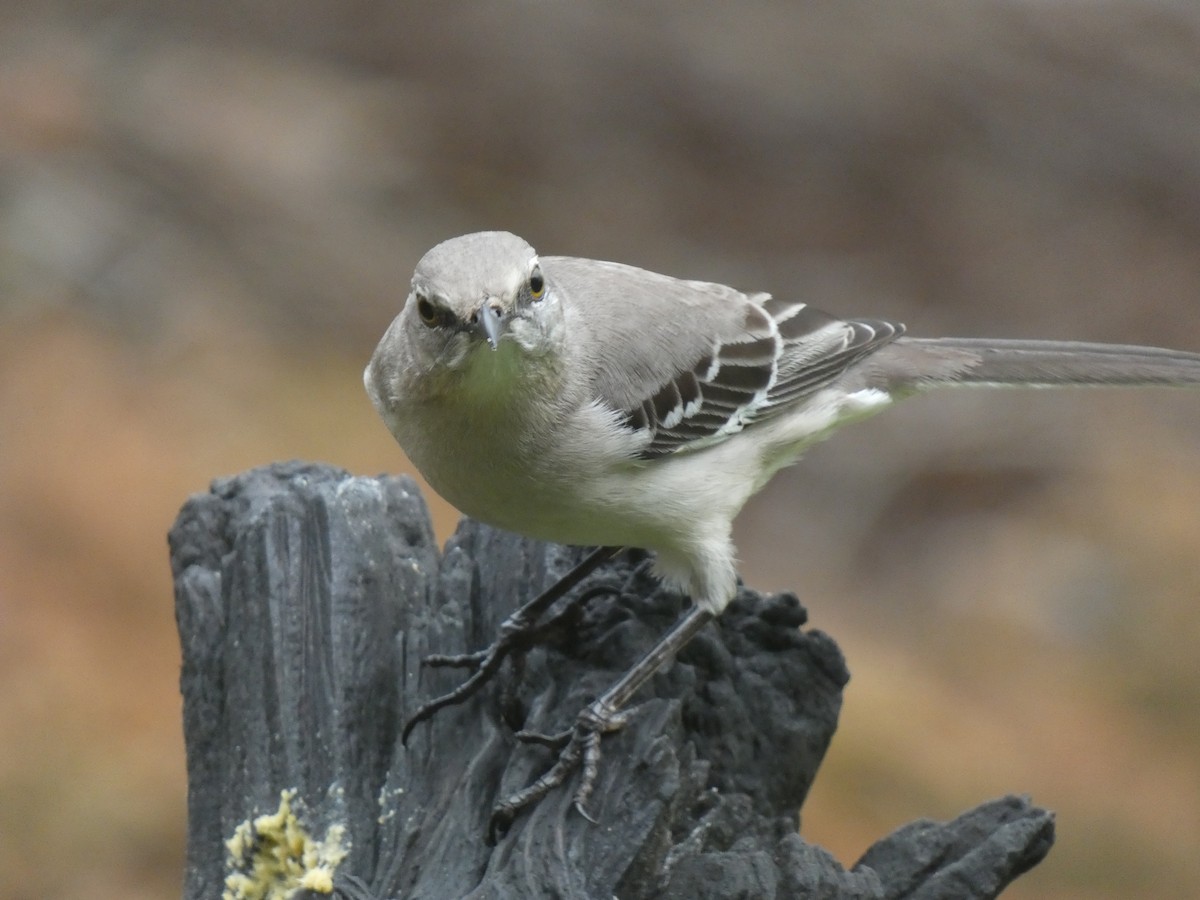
(306, 599)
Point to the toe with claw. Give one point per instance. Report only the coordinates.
(579, 748)
(518, 633)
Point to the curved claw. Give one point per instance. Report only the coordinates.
(583, 812)
(458, 695)
(486, 663)
(579, 748)
(517, 633)
(553, 741)
(502, 817)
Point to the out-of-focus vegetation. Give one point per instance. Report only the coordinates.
(209, 213)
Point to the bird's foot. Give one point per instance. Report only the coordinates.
(514, 636)
(519, 632)
(579, 748)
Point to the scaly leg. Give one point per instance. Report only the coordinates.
(580, 745)
(518, 632)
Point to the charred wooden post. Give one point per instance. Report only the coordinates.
(306, 598)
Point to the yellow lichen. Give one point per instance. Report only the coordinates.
(273, 856)
(319, 879)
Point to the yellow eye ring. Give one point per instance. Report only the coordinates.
(537, 284)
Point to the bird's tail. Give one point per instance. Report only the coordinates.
(916, 363)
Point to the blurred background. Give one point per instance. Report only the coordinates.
(210, 212)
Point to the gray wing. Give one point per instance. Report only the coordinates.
(785, 352)
(688, 363)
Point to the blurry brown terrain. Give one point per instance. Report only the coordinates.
(210, 212)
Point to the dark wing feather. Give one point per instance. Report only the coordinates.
(784, 352)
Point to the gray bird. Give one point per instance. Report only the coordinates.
(595, 403)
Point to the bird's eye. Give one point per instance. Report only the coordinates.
(428, 313)
(537, 284)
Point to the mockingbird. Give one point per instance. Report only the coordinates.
(595, 403)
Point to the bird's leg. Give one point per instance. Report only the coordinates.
(580, 744)
(553, 630)
(518, 632)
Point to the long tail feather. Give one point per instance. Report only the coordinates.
(926, 362)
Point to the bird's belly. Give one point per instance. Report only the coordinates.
(484, 479)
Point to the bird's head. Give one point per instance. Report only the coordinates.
(478, 295)
(480, 308)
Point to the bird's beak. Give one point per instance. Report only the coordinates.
(490, 324)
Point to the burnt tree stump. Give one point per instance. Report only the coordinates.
(305, 600)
